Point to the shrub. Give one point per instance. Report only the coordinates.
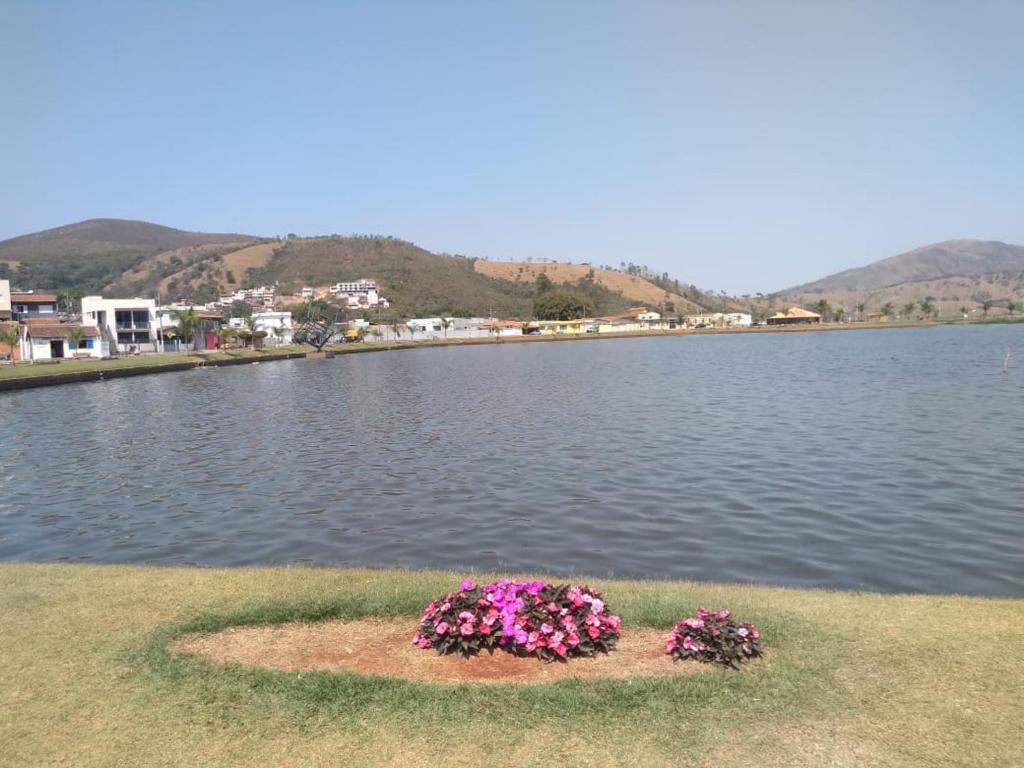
(713, 637)
(525, 618)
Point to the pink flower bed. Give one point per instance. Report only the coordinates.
(712, 636)
(527, 618)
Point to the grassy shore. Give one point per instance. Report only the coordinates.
(850, 680)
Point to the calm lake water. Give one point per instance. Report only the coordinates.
(889, 460)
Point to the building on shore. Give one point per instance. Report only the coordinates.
(129, 326)
(5, 300)
(277, 326)
(29, 304)
(51, 340)
(167, 318)
(794, 316)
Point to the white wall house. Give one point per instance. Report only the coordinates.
(361, 293)
(5, 300)
(52, 341)
(738, 319)
(277, 325)
(128, 325)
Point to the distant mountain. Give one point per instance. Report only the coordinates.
(105, 236)
(90, 254)
(135, 258)
(953, 258)
(955, 278)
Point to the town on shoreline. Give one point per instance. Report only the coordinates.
(37, 327)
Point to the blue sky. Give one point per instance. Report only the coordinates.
(740, 146)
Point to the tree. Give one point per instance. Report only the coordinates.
(838, 315)
(77, 336)
(375, 332)
(986, 305)
(225, 333)
(542, 285)
(240, 308)
(396, 329)
(253, 332)
(446, 324)
(561, 305)
(822, 308)
(1011, 307)
(927, 308)
(860, 312)
(186, 323)
(10, 335)
(908, 310)
(888, 309)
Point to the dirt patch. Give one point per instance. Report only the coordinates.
(384, 647)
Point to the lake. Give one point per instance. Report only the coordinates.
(887, 460)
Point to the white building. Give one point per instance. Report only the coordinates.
(42, 340)
(277, 325)
(264, 296)
(737, 319)
(361, 293)
(127, 325)
(5, 300)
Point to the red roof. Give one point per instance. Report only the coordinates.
(61, 331)
(33, 298)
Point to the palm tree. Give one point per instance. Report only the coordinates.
(253, 331)
(187, 323)
(838, 316)
(396, 330)
(822, 308)
(446, 324)
(887, 309)
(908, 310)
(375, 332)
(77, 336)
(10, 335)
(412, 330)
(927, 308)
(1011, 307)
(224, 333)
(986, 305)
(860, 312)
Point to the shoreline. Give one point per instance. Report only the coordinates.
(34, 375)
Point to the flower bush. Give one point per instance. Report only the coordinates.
(527, 618)
(713, 637)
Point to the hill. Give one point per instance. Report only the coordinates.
(133, 258)
(637, 290)
(953, 258)
(957, 277)
(90, 254)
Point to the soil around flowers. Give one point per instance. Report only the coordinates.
(382, 646)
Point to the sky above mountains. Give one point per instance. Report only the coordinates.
(740, 146)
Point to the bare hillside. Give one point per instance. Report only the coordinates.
(635, 289)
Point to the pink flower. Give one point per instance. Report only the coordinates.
(442, 628)
(466, 584)
(593, 633)
(466, 629)
(596, 606)
(467, 616)
(742, 632)
(694, 623)
(559, 649)
(670, 645)
(546, 628)
(421, 641)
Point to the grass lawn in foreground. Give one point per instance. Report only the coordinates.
(849, 680)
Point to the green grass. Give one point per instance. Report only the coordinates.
(156, 362)
(850, 679)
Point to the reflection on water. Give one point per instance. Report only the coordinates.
(884, 460)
